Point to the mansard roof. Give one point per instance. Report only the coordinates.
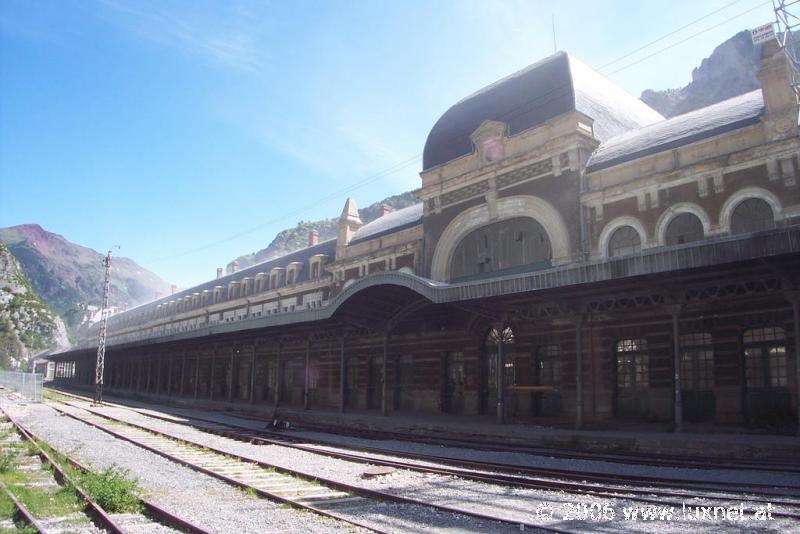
(691, 127)
(551, 87)
(327, 248)
(391, 222)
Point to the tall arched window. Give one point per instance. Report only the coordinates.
(513, 245)
(684, 228)
(633, 378)
(752, 215)
(624, 241)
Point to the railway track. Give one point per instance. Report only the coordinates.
(491, 472)
(292, 487)
(790, 508)
(782, 465)
(156, 517)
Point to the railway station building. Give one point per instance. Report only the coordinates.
(576, 260)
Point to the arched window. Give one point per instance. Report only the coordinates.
(493, 340)
(684, 228)
(633, 378)
(752, 215)
(624, 241)
(513, 245)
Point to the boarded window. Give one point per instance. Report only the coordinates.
(624, 241)
(684, 228)
(377, 267)
(752, 215)
(406, 260)
(513, 245)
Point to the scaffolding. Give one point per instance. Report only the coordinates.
(788, 22)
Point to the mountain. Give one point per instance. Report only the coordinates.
(291, 239)
(729, 71)
(69, 277)
(27, 325)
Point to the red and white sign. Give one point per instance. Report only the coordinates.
(763, 33)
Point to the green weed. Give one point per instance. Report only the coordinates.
(113, 490)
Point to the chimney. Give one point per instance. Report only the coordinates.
(173, 288)
(385, 208)
(219, 273)
(349, 222)
(780, 101)
(313, 237)
(234, 266)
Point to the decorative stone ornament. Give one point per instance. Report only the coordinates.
(489, 141)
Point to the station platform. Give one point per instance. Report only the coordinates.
(728, 443)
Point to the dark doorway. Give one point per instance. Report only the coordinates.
(404, 383)
(633, 378)
(454, 383)
(351, 383)
(375, 383)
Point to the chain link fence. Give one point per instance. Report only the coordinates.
(29, 385)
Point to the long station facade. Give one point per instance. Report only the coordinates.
(575, 260)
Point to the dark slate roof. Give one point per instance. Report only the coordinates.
(389, 223)
(327, 248)
(703, 123)
(556, 85)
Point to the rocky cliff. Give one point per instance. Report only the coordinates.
(27, 325)
(69, 277)
(291, 239)
(729, 71)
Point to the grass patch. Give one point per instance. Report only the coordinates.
(6, 506)
(53, 395)
(47, 503)
(8, 459)
(113, 490)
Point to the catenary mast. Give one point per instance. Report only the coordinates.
(101, 345)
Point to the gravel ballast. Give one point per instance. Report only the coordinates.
(514, 504)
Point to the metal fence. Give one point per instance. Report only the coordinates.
(29, 385)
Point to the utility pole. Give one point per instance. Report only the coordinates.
(101, 345)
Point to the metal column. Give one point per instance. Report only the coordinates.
(196, 375)
(500, 377)
(794, 298)
(384, 388)
(306, 376)
(675, 312)
(211, 378)
(278, 375)
(253, 377)
(183, 374)
(342, 377)
(578, 372)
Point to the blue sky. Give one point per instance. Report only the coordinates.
(190, 132)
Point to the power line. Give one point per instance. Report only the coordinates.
(670, 34)
(511, 113)
(673, 45)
